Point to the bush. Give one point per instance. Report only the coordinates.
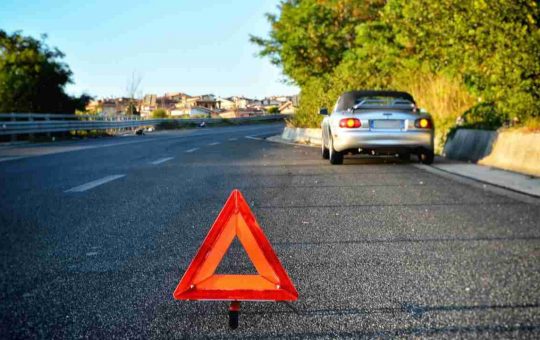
(449, 54)
(483, 116)
(273, 110)
(159, 113)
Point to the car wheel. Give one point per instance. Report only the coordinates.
(335, 157)
(426, 156)
(325, 153)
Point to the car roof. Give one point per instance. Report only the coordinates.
(349, 99)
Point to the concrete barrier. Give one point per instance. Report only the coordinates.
(515, 151)
(469, 145)
(301, 135)
(509, 150)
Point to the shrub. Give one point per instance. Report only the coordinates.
(159, 113)
(483, 116)
(273, 110)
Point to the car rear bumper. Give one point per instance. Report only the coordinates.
(353, 140)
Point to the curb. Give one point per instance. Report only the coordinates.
(280, 140)
(496, 187)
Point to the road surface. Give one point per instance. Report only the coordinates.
(96, 235)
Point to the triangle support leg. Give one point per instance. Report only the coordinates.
(234, 313)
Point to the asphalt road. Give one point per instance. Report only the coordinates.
(94, 240)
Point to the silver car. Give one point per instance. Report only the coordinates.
(377, 123)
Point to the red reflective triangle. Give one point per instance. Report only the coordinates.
(236, 220)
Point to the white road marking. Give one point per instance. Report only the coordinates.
(212, 144)
(253, 137)
(5, 159)
(162, 160)
(93, 184)
(192, 150)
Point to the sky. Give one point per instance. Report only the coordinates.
(195, 47)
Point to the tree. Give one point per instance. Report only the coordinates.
(33, 77)
(450, 54)
(132, 109)
(492, 46)
(309, 37)
(132, 89)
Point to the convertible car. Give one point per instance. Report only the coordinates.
(377, 123)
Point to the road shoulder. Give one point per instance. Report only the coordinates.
(522, 183)
(513, 181)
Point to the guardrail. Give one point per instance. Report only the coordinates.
(11, 123)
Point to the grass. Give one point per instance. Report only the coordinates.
(530, 125)
(443, 97)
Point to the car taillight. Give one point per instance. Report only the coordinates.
(423, 123)
(350, 123)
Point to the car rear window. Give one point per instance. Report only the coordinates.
(374, 99)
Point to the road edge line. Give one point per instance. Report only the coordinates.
(478, 183)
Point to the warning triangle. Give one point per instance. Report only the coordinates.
(200, 281)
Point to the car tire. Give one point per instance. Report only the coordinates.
(426, 156)
(325, 153)
(335, 157)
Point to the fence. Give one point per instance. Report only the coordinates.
(31, 123)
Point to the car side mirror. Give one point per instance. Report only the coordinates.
(323, 111)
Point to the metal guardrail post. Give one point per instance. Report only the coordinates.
(13, 136)
(31, 135)
(47, 119)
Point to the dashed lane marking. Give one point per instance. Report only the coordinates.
(5, 159)
(162, 160)
(93, 184)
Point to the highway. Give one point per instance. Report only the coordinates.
(96, 234)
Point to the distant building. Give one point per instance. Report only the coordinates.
(115, 106)
(180, 104)
(270, 101)
(197, 105)
(226, 104)
(177, 96)
(149, 104)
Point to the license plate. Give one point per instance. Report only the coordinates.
(387, 124)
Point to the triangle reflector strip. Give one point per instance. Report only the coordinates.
(200, 281)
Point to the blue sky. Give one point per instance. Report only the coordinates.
(194, 47)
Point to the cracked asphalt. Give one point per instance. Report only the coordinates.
(375, 248)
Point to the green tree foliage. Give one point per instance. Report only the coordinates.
(159, 113)
(310, 37)
(451, 55)
(33, 78)
(493, 46)
(273, 110)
